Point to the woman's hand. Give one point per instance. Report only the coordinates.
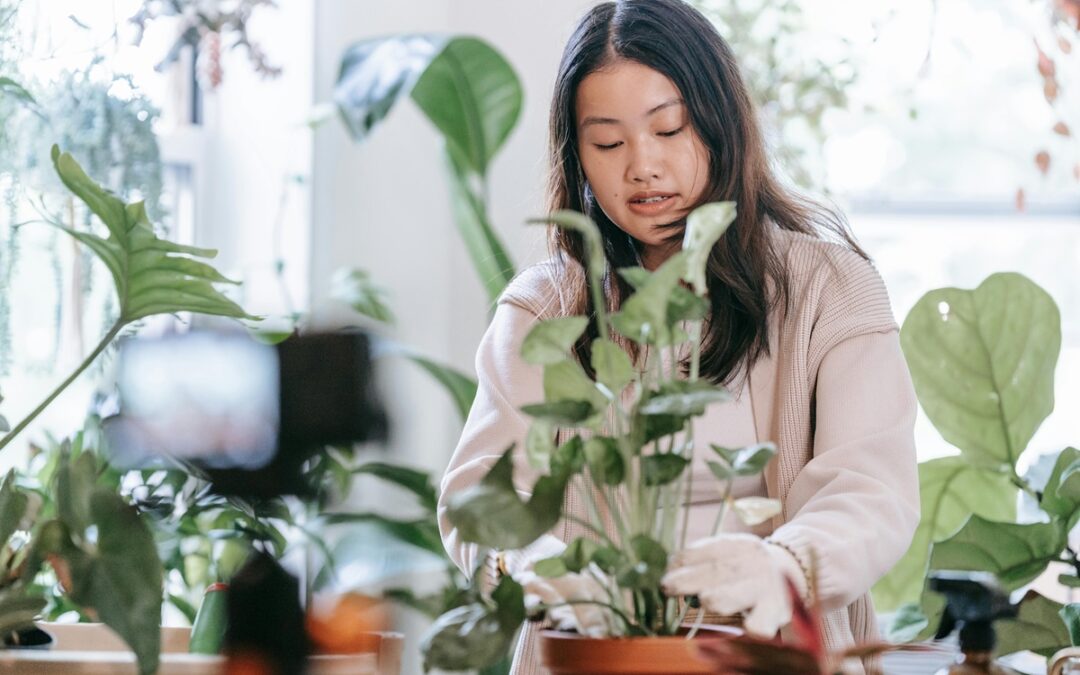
(732, 573)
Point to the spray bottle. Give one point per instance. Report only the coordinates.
(974, 600)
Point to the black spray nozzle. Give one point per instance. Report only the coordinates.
(974, 600)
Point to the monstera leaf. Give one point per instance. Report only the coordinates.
(983, 363)
(151, 275)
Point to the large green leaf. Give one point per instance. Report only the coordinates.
(13, 504)
(492, 513)
(461, 387)
(952, 489)
(1061, 496)
(1070, 614)
(471, 94)
(549, 341)
(1015, 553)
(704, 227)
(476, 635)
(151, 275)
(1038, 627)
(983, 363)
(415, 481)
(375, 73)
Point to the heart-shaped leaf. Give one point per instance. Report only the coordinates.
(662, 469)
(605, 462)
(550, 341)
(983, 363)
(612, 365)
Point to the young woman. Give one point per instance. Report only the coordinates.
(650, 118)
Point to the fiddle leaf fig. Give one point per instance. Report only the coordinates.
(1061, 497)
(1001, 341)
(1038, 627)
(550, 341)
(951, 490)
(492, 513)
(1015, 553)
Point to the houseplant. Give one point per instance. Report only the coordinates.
(631, 469)
(983, 365)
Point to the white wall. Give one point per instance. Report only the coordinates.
(384, 205)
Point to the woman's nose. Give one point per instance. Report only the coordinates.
(645, 163)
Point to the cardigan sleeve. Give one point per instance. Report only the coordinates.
(505, 383)
(853, 508)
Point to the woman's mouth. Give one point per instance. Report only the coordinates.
(651, 203)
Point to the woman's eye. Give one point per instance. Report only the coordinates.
(672, 132)
(610, 146)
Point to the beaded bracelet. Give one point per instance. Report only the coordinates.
(808, 575)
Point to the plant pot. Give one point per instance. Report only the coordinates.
(565, 653)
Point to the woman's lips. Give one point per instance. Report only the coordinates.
(654, 206)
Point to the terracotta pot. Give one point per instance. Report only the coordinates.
(565, 653)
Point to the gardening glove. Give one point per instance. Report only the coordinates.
(587, 619)
(732, 573)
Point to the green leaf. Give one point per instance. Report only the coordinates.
(662, 469)
(983, 363)
(540, 444)
(610, 560)
(9, 87)
(653, 427)
(13, 504)
(643, 316)
(468, 637)
(605, 462)
(472, 95)
(76, 481)
(1061, 496)
(18, 609)
(579, 553)
(430, 605)
(596, 263)
(489, 257)
(952, 489)
(648, 566)
(151, 275)
(560, 412)
(569, 458)
(1070, 614)
(375, 73)
(746, 461)
(1039, 627)
(461, 387)
(682, 397)
(123, 580)
(906, 624)
(492, 513)
(566, 381)
(1070, 580)
(1015, 553)
(721, 469)
(4, 425)
(422, 533)
(683, 304)
(354, 287)
(704, 227)
(612, 365)
(415, 481)
(550, 340)
(509, 598)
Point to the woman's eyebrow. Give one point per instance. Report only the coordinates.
(611, 120)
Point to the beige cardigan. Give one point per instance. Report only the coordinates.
(834, 395)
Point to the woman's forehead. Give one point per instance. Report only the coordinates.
(624, 92)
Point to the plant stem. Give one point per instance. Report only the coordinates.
(10, 436)
(723, 507)
(697, 623)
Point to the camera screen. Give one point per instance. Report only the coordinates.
(206, 397)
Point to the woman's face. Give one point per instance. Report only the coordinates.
(644, 161)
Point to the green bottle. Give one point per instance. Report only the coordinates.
(208, 631)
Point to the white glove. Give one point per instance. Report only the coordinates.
(731, 573)
(587, 619)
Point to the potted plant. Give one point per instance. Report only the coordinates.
(636, 461)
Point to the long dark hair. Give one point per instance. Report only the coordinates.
(674, 39)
